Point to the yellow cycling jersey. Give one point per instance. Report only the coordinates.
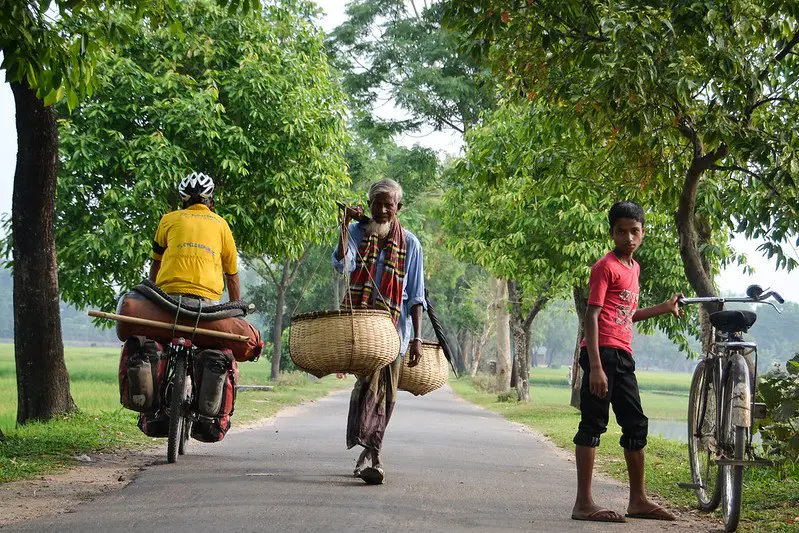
(195, 247)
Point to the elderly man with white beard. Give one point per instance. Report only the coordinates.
(387, 272)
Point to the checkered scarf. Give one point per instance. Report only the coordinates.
(389, 296)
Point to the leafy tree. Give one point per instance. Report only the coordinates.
(249, 100)
(703, 94)
(523, 207)
(398, 50)
(46, 58)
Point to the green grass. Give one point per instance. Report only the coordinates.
(770, 496)
(102, 424)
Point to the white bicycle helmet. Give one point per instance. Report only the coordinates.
(196, 184)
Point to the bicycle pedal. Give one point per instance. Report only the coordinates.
(690, 486)
(759, 410)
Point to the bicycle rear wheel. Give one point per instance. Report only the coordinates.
(734, 444)
(176, 406)
(702, 446)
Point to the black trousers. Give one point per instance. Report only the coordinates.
(623, 395)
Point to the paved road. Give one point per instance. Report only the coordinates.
(450, 466)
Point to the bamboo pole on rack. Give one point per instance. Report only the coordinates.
(167, 325)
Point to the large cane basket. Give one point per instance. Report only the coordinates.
(431, 373)
(355, 341)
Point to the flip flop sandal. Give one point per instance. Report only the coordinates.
(600, 515)
(373, 475)
(656, 513)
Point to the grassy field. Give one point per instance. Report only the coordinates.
(771, 496)
(101, 423)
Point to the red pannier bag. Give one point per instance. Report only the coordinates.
(154, 424)
(137, 305)
(216, 376)
(142, 367)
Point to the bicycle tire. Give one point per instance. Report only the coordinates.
(176, 403)
(705, 473)
(735, 438)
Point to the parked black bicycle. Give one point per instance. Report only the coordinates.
(722, 407)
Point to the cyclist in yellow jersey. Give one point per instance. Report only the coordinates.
(193, 248)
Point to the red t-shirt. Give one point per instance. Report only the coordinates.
(613, 286)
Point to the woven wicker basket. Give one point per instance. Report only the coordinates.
(356, 341)
(431, 373)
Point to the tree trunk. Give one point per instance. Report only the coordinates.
(277, 332)
(522, 371)
(476, 361)
(466, 348)
(521, 327)
(42, 379)
(503, 335)
(693, 233)
(580, 295)
(336, 291)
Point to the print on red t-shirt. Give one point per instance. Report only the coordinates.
(613, 286)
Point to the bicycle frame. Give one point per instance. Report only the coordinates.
(728, 368)
(177, 346)
(718, 367)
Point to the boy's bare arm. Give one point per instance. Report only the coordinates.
(669, 306)
(598, 381)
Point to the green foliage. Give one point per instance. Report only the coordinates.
(529, 202)
(391, 46)
(779, 389)
(682, 87)
(248, 99)
(54, 47)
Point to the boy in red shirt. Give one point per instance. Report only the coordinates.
(609, 368)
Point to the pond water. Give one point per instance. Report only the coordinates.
(669, 429)
(677, 430)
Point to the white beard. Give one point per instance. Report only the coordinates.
(375, 228)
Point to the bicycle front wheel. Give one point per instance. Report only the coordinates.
(185, 433)
(176, 405)
(702, 445)
(734, 442)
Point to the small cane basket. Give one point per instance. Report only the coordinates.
(354, 341)
(431, 373)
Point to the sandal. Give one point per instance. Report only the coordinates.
(600, 515)
(373, 475)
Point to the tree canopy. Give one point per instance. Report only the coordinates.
(249, 100)
(398, 51)
(704, 94)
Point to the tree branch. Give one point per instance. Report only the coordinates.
(781, 54)
(539, 305)
(299, 262)
(269, 270)
(762, 179)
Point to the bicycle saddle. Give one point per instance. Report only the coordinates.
(731, 321)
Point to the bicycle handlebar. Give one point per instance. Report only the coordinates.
(759, 299)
